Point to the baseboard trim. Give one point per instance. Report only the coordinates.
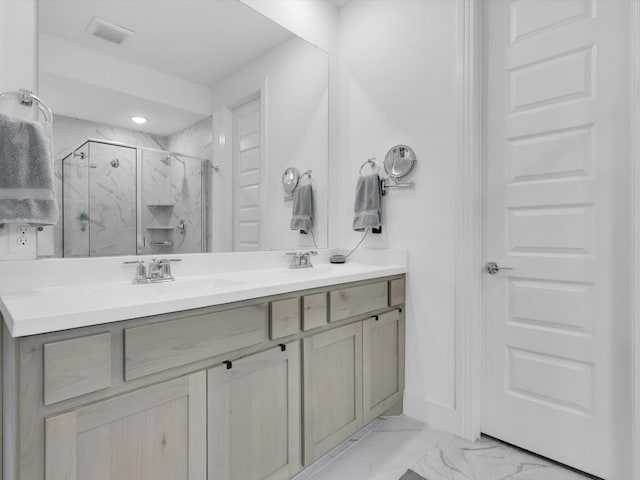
(434, 414)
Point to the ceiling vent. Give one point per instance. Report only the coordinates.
(108, 31)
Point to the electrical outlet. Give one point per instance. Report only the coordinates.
(22, 241)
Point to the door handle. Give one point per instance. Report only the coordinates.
(492, 268)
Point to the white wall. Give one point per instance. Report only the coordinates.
(295, 130)
(18, 60)
(398, 85)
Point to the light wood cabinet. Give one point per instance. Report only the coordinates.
(382, 363)
(159, 346)
(254, 416)
(285, 317)
(154, 433)
(121, 401)
(314, 311)
(332, 363)
(77, 366)
(352, 301)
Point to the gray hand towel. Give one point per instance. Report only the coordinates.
(302, 211)
(368, 203)
(26, 173)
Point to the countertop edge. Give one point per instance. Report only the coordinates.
(47, 324)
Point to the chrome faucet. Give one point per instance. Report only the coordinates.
(301, 259)
(158, 271)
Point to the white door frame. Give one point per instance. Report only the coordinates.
(634, 155)
(469, 221)
(468, 226)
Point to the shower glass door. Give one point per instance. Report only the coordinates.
(112, 194)
(99, 198)
(75, 201)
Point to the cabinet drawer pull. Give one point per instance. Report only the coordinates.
(376, 317)
(400, 310)
(282, 346)
(228, 364)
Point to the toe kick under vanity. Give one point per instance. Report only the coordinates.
(252, 389)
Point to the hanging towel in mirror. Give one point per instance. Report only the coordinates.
(367, 207)
(26, 173)
(302, 211)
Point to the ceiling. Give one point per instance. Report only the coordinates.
(201, 41)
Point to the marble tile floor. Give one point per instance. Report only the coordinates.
(387, 447)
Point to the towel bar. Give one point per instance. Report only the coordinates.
(27, 98)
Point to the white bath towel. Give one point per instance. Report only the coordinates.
(26, 173)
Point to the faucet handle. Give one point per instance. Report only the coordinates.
(167, 260)
(165, 266)
(141, 271)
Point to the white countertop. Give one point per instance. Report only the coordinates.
(72, 293)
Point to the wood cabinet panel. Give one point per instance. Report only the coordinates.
(396, 292)
(314, 311)
(383, 363)
(77, 366)
(254, 417)
(156, 433)
(285, 317)
(332, 363)
(161, 346)
(352, 301)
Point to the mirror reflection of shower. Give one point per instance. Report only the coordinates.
(122, 199)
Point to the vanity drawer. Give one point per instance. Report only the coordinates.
(76, 367)
(314, 311)
(396, 292)
(285, 317)
(161, 346)
(352, 301)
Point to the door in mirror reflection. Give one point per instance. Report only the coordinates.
(247, 176)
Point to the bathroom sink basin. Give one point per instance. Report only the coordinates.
(178, 288)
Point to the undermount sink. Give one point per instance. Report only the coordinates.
(187, 287)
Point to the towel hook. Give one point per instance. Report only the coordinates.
(26, 97)
(371, 161)
(309, 175)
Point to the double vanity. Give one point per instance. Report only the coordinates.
(240, 369)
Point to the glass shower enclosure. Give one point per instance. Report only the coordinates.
(126, 200)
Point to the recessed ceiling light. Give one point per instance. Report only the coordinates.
(139, 119)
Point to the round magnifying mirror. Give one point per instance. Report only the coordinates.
(290, 179)
(399, 161)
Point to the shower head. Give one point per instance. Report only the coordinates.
(167, 160)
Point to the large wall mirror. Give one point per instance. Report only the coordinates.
(173, 123)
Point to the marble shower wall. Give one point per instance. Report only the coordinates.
(171, 203)
(113, 190)
(197, 141)
(68, 133)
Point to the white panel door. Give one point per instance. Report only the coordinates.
(556, 160)
(246, 176)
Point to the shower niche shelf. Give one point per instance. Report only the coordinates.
(161, 205)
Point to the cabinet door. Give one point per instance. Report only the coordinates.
(158, 432)
(383, 363)
(332, 389)
(254, 417)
